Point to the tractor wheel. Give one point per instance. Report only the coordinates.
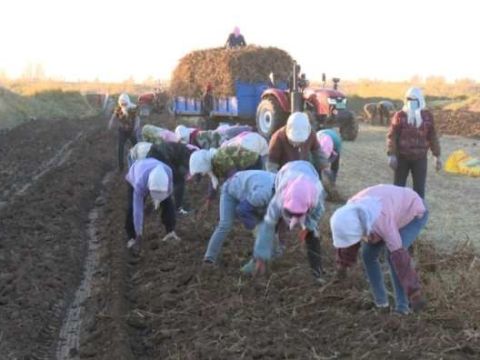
(270, 117)
(349, 129)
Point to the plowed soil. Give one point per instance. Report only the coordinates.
(166, 305)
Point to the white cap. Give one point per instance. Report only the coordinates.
(298, 127)
(158, 179)
(183, 133)
(124, 100)
(201, 161)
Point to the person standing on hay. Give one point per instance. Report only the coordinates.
(235, 39)
(244, 196)
(298, 202)
(296, 141)
(154, 178)
(379, 217)
(125, 117)
(410, 135)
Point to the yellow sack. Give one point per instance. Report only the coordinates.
(459, 162)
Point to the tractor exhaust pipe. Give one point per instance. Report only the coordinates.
(296, 101)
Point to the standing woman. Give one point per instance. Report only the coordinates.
(125, 117)
(411, 134)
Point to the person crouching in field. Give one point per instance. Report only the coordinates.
(220, 164)
(245, 196)
(154, 178)
(382, 216)
(298, 202)
(207, 139)
(331, 144)
(410, 135)
(125, 117)
(295, 141)
(174, 155)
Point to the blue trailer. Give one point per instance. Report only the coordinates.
(241, 107)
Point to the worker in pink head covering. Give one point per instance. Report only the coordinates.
(299, 202)
(235, 39)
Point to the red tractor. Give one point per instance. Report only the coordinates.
(325, 107)
(155, 101)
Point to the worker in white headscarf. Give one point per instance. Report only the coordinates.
(411, 134)
(125, 117)
(149, 177)
(295, 141)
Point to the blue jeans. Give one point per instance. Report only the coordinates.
(228, 206)
(370, 255)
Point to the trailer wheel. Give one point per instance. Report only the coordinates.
(349, 128)
(270, 117)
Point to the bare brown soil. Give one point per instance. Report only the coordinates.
(166, 305)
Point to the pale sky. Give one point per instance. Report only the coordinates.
(351, 39)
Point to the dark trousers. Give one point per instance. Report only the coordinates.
(123, 136)
(179, 191)
(335, 166)
(418, 168)
(168, 214)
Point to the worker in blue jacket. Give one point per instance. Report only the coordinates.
(246, 196)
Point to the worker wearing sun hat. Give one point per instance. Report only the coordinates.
(149, 177)
(383, 216)
(295, 141)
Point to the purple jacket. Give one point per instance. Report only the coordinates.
(137, 176)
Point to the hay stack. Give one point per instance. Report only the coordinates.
(222, 67)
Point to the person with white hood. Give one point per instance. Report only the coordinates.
(125, 117)
(410, 135)
(298, 202)
(331, 145)
(154, 178)
(382, 216)
(243, 152)
(174, 155)
(295, 141)
(207, 139)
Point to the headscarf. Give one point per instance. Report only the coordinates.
(248, 140)
(140, 150)
(236, 31)
(298, 127)
(158, 185)
(354, 220)
(414, 115)
(183, 133)
(201, 163)
(326, 143)
(300, 194)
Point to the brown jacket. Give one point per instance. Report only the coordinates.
(280, 151)
(411, 142)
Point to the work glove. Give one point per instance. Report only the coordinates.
(438, 163)
(248, 268)
(171, 236)
(392, 162)
(134, 245)
(260, 267)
